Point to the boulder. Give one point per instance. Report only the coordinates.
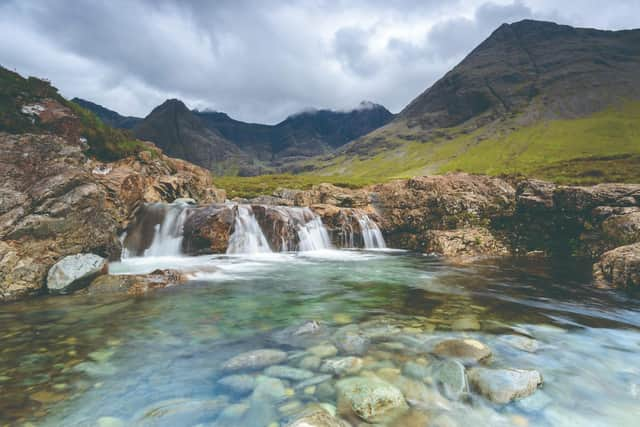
(504, 385)
(256, 359)
(370, 398)
(74, 272)
(619, 267)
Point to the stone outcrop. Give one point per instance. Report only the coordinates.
(56, 201)
(619, 267)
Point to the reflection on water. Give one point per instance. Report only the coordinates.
(156, 360)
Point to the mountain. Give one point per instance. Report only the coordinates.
(218, 142)
(535, 97)
(180, 133)
(301, 135)
(109, 117)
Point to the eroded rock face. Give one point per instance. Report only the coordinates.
(411, 208)
(465, 244)
(619, 267)
(58, 202)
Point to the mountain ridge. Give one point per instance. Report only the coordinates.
(260, 147)
(528, 80)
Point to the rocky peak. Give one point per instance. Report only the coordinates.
(557, 65)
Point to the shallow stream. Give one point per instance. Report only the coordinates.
(157, 360)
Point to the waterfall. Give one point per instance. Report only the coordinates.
(313, 235)
(247, 235)
(167, 238)
(371, 234)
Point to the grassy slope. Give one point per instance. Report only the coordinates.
(104, 141)
(601, 147)
(266, 184)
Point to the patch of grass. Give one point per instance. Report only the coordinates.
(248, 187)
(602, 147)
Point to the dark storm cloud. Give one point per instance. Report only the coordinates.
(262, 60)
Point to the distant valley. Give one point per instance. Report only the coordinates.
(226, 146)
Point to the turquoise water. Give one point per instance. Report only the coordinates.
(156, 360)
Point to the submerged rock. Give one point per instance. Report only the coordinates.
(288, 373)
(468, 350)
(323, 350)
(74, 272)
(239, 384)
(352, 342)
(268, 389)
(371, 399)
(317, 416)
(504, 385)
(136, 284)
(450, 374)
(175, 412)
(255, 359)
(342, 366)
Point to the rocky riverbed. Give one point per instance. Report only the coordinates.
(333, 339)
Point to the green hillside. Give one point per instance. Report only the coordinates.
(604, 146)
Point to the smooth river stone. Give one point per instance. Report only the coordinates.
(451, 375)
(288, 373)
(323, 350)
(504, 385)
(351, 342)
(313, 381)
(342, 366)
(521, 343)
(465, 349)
(239, 384)
(317, 416)
(370, 398)
(256, 359)
(268, 389)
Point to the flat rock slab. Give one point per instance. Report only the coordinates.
(504, 385)
(468, 350)
(256, 359)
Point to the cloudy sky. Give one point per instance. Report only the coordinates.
(263, 60)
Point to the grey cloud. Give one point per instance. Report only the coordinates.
(258, 60)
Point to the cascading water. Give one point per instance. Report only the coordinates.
(371, 234)
(247, 237)
(313, 235)
(167, 239)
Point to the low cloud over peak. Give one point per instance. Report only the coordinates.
(261, 61)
